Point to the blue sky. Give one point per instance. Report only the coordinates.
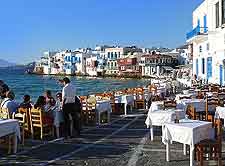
(29, 27)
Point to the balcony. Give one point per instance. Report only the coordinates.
(197, 33)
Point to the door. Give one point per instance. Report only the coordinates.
(221, 74)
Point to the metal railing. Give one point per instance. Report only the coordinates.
(196, 31)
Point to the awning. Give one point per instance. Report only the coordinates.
(168, 68)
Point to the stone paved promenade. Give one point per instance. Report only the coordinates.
(124, 142)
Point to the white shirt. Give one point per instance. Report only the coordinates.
(68, 93)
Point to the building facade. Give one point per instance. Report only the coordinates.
(208, 41)
(156, 64)
(129, 67)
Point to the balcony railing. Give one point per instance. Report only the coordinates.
(196, 31)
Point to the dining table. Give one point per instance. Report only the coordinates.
(187, 132)
(103, 106)
(10, 127)
(126, 100)
(160, 116)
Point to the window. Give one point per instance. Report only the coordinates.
(119, 54)
(115, 55)
(203, 65)
(108, 54)
(217, 15)
(111, 55)
(200, 48)
(209, 67)
(207, 46)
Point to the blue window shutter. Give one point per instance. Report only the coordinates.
(205, 23)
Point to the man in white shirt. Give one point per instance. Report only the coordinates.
(68, 105)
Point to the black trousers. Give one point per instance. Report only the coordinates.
(70, 109)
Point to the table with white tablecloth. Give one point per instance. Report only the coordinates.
(220, 113)
(103, 106)
(159, 117)
(199, 104)
(126, 100)
(188, 132)
(156, 105)
(10, 127)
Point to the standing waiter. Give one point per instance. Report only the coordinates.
(69, 107)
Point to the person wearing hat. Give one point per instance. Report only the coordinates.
(69, 107)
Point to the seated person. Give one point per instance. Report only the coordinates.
(41, 105)
(10, 103)
(50, 101)
(26, 102)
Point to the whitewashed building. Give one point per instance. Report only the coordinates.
(208, 41)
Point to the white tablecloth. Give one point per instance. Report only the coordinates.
(125, 99)
(103, 106)
(199, 104)
(159, 117)
(156, 105)
(188, 132)
(220, 113)
(9, 126)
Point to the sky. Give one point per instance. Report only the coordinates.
(29, 27)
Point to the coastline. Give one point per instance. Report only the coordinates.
(105, 76)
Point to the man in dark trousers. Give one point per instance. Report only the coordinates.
(69, 107)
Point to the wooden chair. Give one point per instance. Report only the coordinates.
(84, 113)
(90, 111)
(36, 121)
(191, 112)
(27, 125)
(210, 108)
(139, 98)
(4, 113)
(21, 119)
(208, 150)
(169, 104)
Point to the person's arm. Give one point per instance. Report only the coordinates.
(63, 96)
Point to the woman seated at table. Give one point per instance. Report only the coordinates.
(50, 101)
(47, 113)
(10, 103)
(26, 102)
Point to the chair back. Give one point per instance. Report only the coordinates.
(211, 104)
(25, 111)
(35, 118)
(170, 104)
(191, 112)
(20, 117)
(218, 130)
(4, 113)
